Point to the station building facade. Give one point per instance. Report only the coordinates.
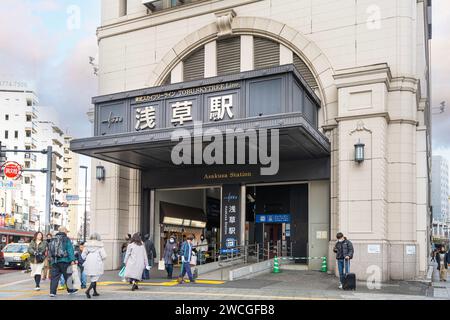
(328, 81)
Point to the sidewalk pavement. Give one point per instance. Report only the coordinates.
(441, 289)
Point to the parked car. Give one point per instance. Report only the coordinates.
(2, 260)
(13, 255)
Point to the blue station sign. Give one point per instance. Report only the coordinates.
(273, 218)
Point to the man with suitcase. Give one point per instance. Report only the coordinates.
(344, 253)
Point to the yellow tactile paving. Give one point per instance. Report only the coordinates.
(164, 284)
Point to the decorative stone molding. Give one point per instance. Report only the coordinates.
(224, 20)
(360, 127)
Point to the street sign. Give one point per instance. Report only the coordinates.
(12, 170)
(72, 197)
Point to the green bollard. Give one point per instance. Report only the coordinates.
(324, 265)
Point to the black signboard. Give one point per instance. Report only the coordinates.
(231, 217)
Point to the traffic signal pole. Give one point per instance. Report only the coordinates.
(48, 188)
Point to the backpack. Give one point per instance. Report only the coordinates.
(57, 247)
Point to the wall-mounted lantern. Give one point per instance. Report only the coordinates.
(100, 173)
(359, 152)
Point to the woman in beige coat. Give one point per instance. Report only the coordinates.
(135, 261)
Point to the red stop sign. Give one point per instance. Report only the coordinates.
(12, 170)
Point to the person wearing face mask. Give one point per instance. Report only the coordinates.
(202, 249)
(170, 255)
(344, 253)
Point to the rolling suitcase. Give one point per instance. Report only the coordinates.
(349, 279)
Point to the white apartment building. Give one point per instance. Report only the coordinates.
(18, 113)
(332, 76)
(50, 134)
(70, 178)
(439, 189)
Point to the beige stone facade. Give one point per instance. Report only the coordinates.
(370, 62)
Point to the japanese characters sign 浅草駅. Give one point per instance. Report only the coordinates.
(231, 216)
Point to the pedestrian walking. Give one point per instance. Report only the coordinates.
(46, 269)
(136, 260)
(151, 254)
(94, 254)
(37, 250)
(442, 259)
(79, 260)
(186, 255)
(62, 259)
(344, 253)
(170, 255)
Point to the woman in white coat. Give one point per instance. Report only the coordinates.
(135, 261)
(93, 255)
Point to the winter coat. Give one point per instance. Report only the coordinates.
(34, 249)
(446, 260)
(169, 250)
(151, 251)
(135, 261)
(343, 249)
(93, 255)
(68, 247)
(186, 251)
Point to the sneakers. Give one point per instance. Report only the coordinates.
(52, 295)
(340, 286)
(37, 289)
(72, 292)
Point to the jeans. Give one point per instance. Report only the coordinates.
(186, 268)
(341, 269)
(57, 270)
(146, 275)
(169, 269)
(83, 277)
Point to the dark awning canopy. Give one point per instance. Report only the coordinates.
(299, 140)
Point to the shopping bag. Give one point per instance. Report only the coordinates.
(122, 272)
(76, 278)
(193, 261)
(161, 265)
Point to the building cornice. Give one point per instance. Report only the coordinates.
(121, 26)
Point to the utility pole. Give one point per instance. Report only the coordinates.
(48, 187)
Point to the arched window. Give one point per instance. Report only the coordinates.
(194, 65)
(305, 72)
(266, 53)
(228, 56)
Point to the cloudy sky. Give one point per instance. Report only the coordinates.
(49, 42)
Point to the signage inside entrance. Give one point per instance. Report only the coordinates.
(231, 217)
(273, 218)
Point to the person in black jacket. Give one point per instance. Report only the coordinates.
(442, 259)
(151, 254)
(344, 253)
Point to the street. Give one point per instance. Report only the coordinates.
(288, 285)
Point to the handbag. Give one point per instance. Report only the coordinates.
(76, 277)
(122, 272)
(193, 261)
(161, 265)
(39, 258)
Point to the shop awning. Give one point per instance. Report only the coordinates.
(175, 214)
(14, 232)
